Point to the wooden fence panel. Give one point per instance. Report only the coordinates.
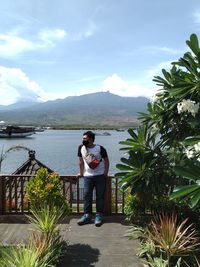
(13, 198)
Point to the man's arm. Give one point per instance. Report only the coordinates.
(107, 164)
(81, 167)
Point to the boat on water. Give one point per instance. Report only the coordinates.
(39, 129)
(16, 131)
(120, 130)
(102, 134)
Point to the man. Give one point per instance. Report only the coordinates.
(94, 166)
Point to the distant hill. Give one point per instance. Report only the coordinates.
(97, 109)
(18, 105)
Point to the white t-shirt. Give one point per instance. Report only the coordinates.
(100, 153)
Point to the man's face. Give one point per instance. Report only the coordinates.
(86, 140)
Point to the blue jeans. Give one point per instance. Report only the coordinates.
(99, 183)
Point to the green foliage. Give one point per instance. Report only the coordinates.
(132, 205)
(190, 192)
(160, 262)
(171, 236)
(48, 247)
(167, 241)
(45, 238)
(48, 208)
(181, 82)
(165, 151)
(47, 217)
(146, 169)
(45, 189)
(147, 247)
(164, 156)
(23, 256)
(136, 231)
(157, 262)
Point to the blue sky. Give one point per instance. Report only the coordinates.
(52, 49)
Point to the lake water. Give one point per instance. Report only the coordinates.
(57, 149)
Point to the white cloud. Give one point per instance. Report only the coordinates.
(153, 50)
(168, 50)
(50, 36)
(15, 86)
(12, 44)
(116, 85)
(114, 82)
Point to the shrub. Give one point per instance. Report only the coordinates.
(22, 256)
(45, 189)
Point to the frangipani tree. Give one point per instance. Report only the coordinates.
(174, 115)
(175, 108)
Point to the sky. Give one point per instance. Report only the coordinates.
(52, 49)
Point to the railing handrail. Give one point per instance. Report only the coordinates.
(12, 193)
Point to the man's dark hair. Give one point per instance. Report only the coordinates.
(90, 134)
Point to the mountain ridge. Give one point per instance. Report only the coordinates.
(101, 108)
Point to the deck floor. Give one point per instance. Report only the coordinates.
(87, 245)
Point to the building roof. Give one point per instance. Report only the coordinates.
(31, 166)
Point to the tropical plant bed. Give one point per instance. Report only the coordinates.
(165, 241)
(160, 171)
(48, 209)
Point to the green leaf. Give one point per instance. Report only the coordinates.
(166, 74)
(194, 200)
(192, 140)
(190, 172)
(193, 44)
(122, 167)
(183, 191)
(132, 133)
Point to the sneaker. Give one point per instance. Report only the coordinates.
(86, 218)
(98, 220)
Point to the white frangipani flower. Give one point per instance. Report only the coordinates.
(197, 147)
(187, 105)
(190, 154)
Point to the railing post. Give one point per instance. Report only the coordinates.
(1, 195)
(108, 198)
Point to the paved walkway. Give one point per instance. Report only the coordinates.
(88, 246)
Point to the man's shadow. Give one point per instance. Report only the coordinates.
(79, 255)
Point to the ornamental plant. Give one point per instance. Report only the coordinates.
(145, 170)
(175, 238)
(175, 109)
(180, 126)
(45, 189)
(173, 118)
(22, 256)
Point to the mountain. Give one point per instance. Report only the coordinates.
(18, 105)
(96, 109)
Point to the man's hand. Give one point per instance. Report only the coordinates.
(79, 175)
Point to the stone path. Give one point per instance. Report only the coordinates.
(88, 246)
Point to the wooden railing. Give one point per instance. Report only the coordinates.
(13, 198)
